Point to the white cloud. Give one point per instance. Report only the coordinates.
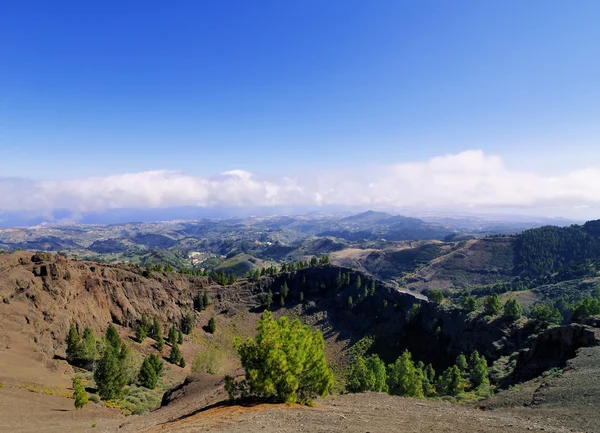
(469, 179)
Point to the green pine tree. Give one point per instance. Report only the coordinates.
(451, 382)
(478, 371)
(160, 343)
(109, 376)
(403, 377)
(113, 337)
(173, 334)
(461, 363)
(157, 364)
(141, 332)
(88, 344)
(372, 291)
(156, 329)
(74, 346)
(512, 309)
(188, 323)
(175, 356)
(470, 304)
(285, 362)
(492, 305)
(147, 376)
(212, 325)
(179, 337)
(79, 394)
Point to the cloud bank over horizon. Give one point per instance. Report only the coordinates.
(465, 181)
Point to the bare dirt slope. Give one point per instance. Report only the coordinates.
(369, 412)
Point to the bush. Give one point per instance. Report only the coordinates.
(95, 398)
(285, 363)
(208, 361)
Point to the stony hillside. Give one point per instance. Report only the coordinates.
(43, 293)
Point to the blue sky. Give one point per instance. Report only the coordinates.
(276, 87)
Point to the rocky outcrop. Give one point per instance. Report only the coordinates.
(553, 348)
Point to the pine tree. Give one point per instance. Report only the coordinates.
(160, 343)
(74, 346)
(372, 288)
(179, 337)
(339, 280)
(112, 336)
(403, 377)
(470, 304)
(461, 363)
(350, 302)
(188, 323)
(173, 334)
(212, 325)
(88, 344)
(492, 305)
(301, 296)
(109, 376)
(79, 394)
(199, 302)
(148, 377)
(182, 363)
(512, 309)
(285, 290)
(358, 283)
(157, 364)
(378, 369)
(141, 333)
(285, 362)
(269, 299)
(175, 356)
(205, 300)
(436, 297)
(281, 300)
(451, 382)
(430, 373)
(358, 377)
(478, 372)
(156, 329)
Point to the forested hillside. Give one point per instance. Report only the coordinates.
(552, 254)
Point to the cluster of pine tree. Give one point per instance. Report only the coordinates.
(82, 352)
(151, 371)
(201, 301)
(406, 378)
(255, 274)
(194, 272)
(284, 363)
(111, 361)
(222, 278)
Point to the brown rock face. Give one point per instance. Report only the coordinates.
(47, 293)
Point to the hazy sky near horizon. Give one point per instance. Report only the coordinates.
(338, 102)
